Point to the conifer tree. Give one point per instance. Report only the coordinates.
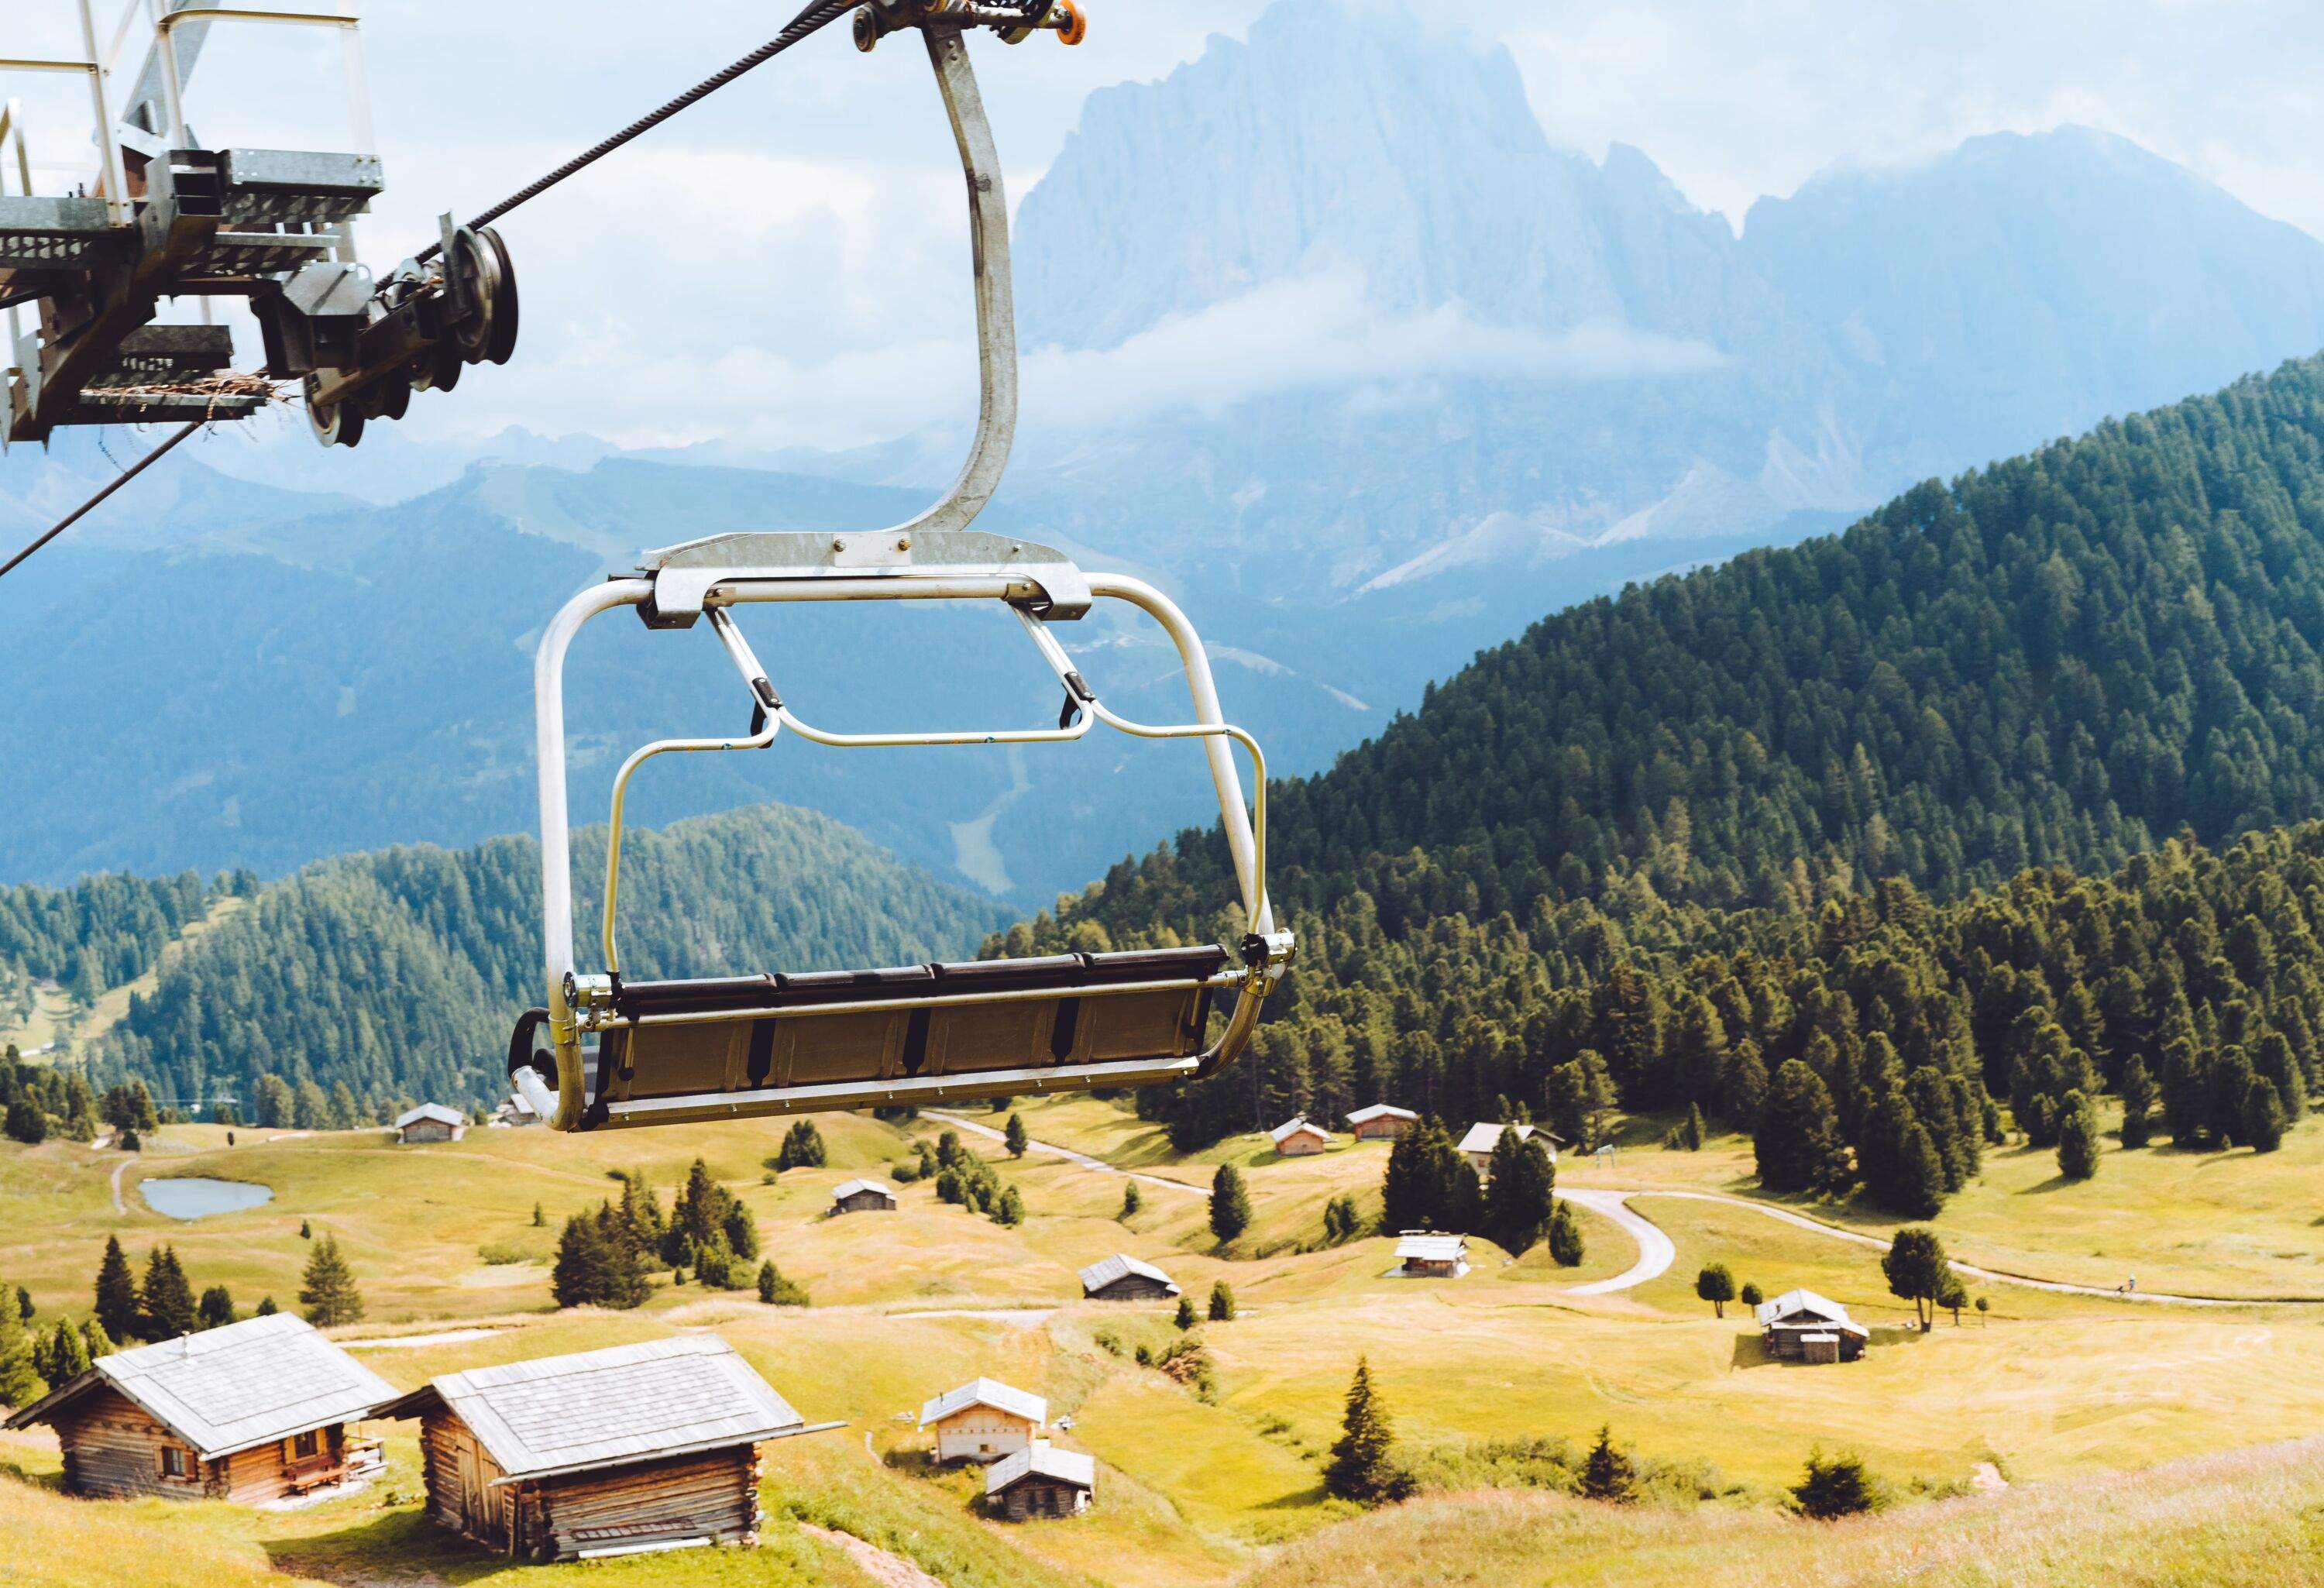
(1362, 1465)
(1010, 1210)
(65, 1356)
(265, 1308)
(1130, 1202)
(165, 1301)
(2137, 1104)
(1608, 1473)
(216, 1308)
(1222, 1303)
(21, 1382)
(26, 1123)
(1230, 1203)
(1520, 1200)
(1185, 1316)
(1566, 1247)
(1341, 1220)
(1833, 1487)
(1798, 1140)
(1015, 1136)
(116, 1292)
(2262, 1121)
(2079, 1140)
(326, 1289)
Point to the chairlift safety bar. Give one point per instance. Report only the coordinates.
(933, 556)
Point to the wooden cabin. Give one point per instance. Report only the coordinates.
(514, 1111)
(1478, 1145)
(1800, 1325)
(617, 1452)
(1299, 1137)
(430, 1122)
(1423, 1254)
(983, 1420)
(862, 1196)
(1381, 1121)
(1123, 1278)
(251, 1412)
(1040, 1480)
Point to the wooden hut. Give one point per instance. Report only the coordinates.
(983, 1420)
(615, 1452)
(430, 1122)
(862, 1196)
(1800, 1325)
(1040, 1480)
(1299, 1137)
(1478, 1145)
(252, 1412)
(1424, 1254)
(1121, 1277)
(1381, 1121)
(514, 1111)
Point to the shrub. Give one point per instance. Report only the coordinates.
(1716, 1285)
(1835, 1486)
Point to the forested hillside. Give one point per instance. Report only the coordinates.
(100, 933)
(395, 974)
(1781, 764)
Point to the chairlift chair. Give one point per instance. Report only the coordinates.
(622, 1053)
(159, 217)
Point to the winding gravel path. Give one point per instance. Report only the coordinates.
(1655, 1250)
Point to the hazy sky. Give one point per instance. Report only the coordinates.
(784, 260)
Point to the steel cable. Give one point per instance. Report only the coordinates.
(817, 15)
(119, 480)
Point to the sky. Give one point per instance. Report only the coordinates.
(784, 265)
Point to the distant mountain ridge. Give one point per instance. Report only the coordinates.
(1324, 336)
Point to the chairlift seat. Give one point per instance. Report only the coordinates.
(725, 1046)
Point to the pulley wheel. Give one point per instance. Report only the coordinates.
(503, 343)
(478, 263)
(334, 424)
(394, 399)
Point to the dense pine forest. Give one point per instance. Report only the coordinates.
(1794, 839)
(395, 976)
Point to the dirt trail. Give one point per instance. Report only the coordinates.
(883, 1566)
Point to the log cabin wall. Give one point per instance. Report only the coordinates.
(714, 1495)
(113, 1451)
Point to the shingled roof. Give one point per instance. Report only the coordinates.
(605, 1409)
(231, 1389)
(430, 1111)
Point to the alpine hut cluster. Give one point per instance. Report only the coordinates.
(614, 1452)
(1123, 1278)
(252, 1412)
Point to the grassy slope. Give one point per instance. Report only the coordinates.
(2252, 1520)
(1193, 1494)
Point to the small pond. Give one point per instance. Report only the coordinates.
(193, 1198)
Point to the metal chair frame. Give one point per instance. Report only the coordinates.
(934, 556)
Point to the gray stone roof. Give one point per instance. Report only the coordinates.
(611, 1408)
(233, 1388)
(1041, 1459)
(1107, 1270)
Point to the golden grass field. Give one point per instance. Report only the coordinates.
(2059, 1392)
